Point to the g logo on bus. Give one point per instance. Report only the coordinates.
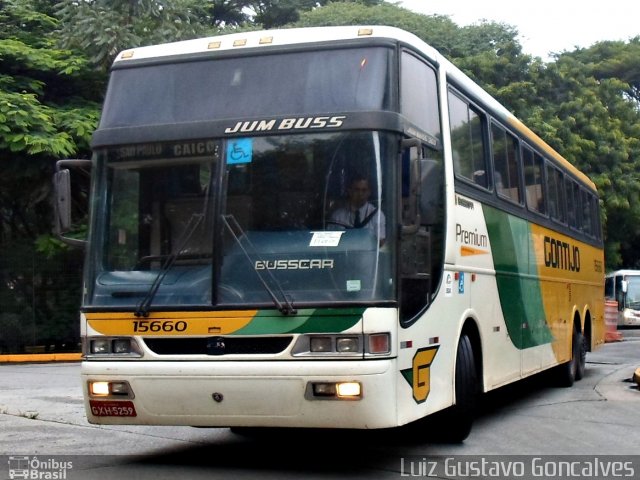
(419, 376)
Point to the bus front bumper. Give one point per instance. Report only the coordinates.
(243, 394)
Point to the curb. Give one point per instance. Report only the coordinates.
(41, 358)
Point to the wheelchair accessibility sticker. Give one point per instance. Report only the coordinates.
(239, 150)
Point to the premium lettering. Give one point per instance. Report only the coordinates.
(468, 237)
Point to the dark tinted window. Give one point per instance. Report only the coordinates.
(506, 164)
(556, 193)
(266, 85)
(467, 141)
(533, 180)
(419, 94)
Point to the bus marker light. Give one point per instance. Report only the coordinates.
(365, 32)
(379, 343)
(214, 45)
(265, 40)
(240, 43)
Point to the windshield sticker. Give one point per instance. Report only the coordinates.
(325, 239)
(239, 150)
(353, 285)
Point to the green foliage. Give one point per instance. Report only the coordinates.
(49, 107)
(595, 123)
(102, 28)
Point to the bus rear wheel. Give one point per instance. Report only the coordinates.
(573, 370)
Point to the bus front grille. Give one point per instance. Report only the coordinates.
(218, 345)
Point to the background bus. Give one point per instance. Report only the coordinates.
(623, 286)
(222, 290)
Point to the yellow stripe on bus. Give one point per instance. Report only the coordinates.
(170, 323)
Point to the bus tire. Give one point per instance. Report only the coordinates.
(582, 356)
(456, 423)
(568, 372)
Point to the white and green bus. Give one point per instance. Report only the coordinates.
(221, 290)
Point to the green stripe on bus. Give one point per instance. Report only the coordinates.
(325, 320)
(517, 279)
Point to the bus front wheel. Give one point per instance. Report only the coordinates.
(455, 423)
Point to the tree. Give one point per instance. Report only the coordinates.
(590, 112)
(48, 109)
(102, 28)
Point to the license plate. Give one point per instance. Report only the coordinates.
(118, 408)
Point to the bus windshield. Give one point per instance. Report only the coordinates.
(245, 221)
(632, 298)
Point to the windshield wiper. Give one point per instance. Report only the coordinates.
(285, 308)
(145, 304)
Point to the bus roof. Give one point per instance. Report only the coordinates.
(623, 272)
(298, 36)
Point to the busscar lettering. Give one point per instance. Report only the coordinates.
(561, 255)
(293, 123)
(297, 264)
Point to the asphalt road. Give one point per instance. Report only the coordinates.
(42, 418)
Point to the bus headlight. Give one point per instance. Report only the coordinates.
(321, 344)
(342, 345)
(117, 389)
(347, 344)
(112, 346)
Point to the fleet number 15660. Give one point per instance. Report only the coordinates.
(154, 326)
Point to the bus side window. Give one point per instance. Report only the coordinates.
(468, 141)
(506, 164)
(534, 181)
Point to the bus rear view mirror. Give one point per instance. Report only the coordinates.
(64, 185)
(62, 188)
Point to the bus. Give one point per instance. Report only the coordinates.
(623, 286)
(221, 291)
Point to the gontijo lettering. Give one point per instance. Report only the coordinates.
(561, 255)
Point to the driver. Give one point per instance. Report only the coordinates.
(358, 211)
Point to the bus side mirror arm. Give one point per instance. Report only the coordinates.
(62, 199)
